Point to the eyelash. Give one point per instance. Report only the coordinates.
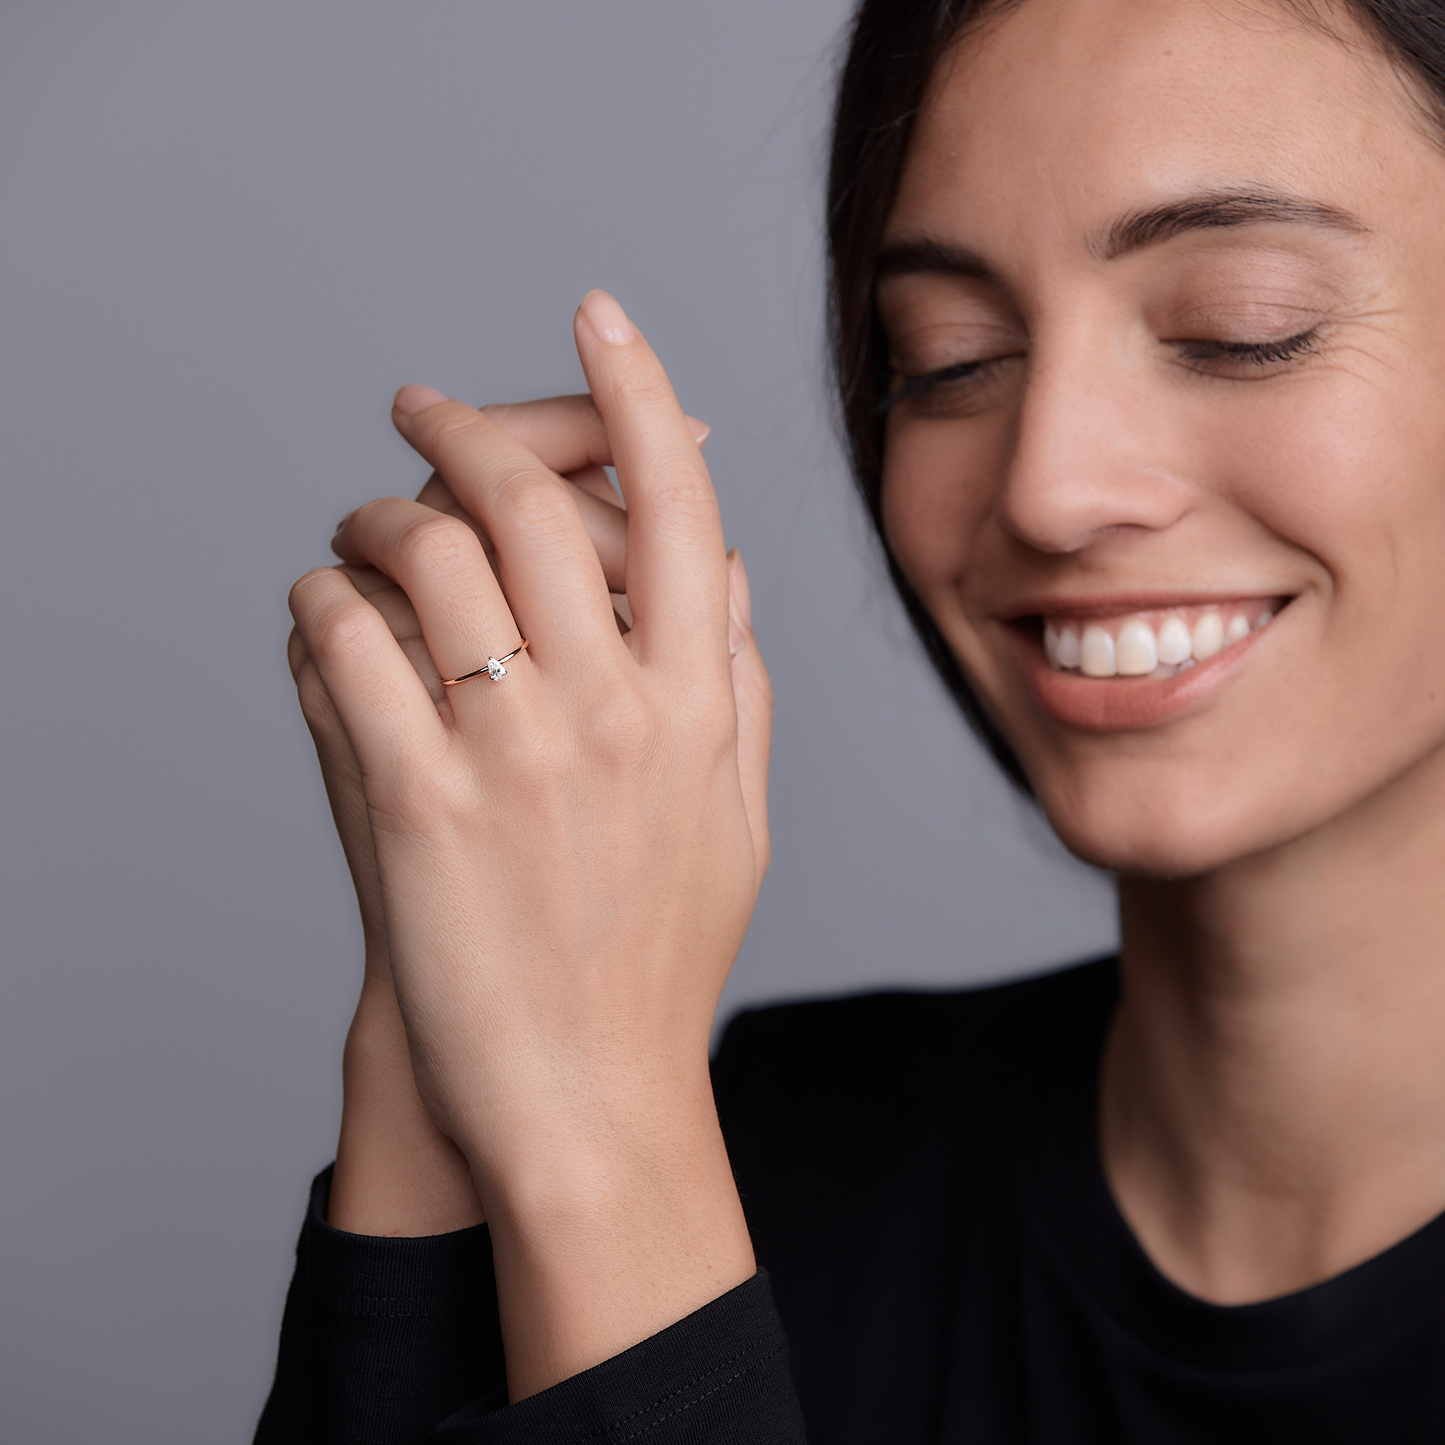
(914, 386)
(1259, 353)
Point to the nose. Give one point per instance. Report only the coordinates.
(1092, 451)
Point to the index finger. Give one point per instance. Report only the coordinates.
(567, 435)
(676, 562)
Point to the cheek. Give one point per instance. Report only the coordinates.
(1350, 472)
(936, 503)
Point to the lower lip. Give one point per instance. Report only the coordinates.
(1125, 704)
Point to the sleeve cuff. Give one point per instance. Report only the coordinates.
(383, 1336)
(391, 1277)
(717, 1377)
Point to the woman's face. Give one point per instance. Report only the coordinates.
(1189, 257)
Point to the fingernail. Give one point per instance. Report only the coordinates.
(700, 430)
(413, 398)
(607, 319)
(345, 520)
(736, 634)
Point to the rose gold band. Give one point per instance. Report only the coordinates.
(492, 669)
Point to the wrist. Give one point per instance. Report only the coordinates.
(396, 1172)
(603, 1242)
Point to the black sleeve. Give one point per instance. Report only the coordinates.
(386, 1341)
(382, 1338)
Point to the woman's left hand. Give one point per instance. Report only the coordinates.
(569, 860)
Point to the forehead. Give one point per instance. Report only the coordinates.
(1061, 112)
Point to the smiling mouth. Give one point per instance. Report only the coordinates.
(1156, 643)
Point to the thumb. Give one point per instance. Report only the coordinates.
(753, 694)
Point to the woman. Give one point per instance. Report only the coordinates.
(1140, 330)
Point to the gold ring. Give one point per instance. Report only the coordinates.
(493, 669)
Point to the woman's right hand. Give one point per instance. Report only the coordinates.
(396, 1173)
(567, 435)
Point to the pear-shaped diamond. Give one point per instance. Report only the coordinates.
(495, 670)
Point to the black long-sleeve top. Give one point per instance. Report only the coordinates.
(940, 1261)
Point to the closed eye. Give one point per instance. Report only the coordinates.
(1212, 355)
(909, 387)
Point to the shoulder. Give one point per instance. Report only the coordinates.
(847, 1119)
(876, 1050)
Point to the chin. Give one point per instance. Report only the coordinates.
(1130, 820)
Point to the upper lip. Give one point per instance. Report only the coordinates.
(1111, 604)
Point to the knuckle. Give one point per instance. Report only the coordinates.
(304, 586)
(531, 500)
(710, 719)
(440, 541)
(410, 800)
(343, 631)
(721, 739)
(645, 385)
(371, 516)
(455, 422)
(684, 492)
(623, 734)
(369, 509)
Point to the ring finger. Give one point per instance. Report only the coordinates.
(437, 560)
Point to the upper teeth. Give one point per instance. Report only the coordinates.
(1137, 646)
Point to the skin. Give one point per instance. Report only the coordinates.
(564, 862)
(1273, 1085)
(396, 1172)
(555, 871)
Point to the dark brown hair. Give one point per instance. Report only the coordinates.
(893, 48)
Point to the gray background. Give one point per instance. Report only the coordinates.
(229, 232)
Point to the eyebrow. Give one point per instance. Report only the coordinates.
(1216, 210)
(1136, 230)
(931, 258)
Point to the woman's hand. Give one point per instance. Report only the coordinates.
(567, 858)
(396, 1173)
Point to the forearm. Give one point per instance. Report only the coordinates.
(396, 1172)
(609, 1224)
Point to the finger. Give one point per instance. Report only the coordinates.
(676, 566)
(595, 482)
(598, 488)
(400, 616)
(341, 774)
(545, 561)
(603, 518)
(566, 433)
(753, 693)
(380, 700)
(606, 526)
(438, 562)
(297, 653)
